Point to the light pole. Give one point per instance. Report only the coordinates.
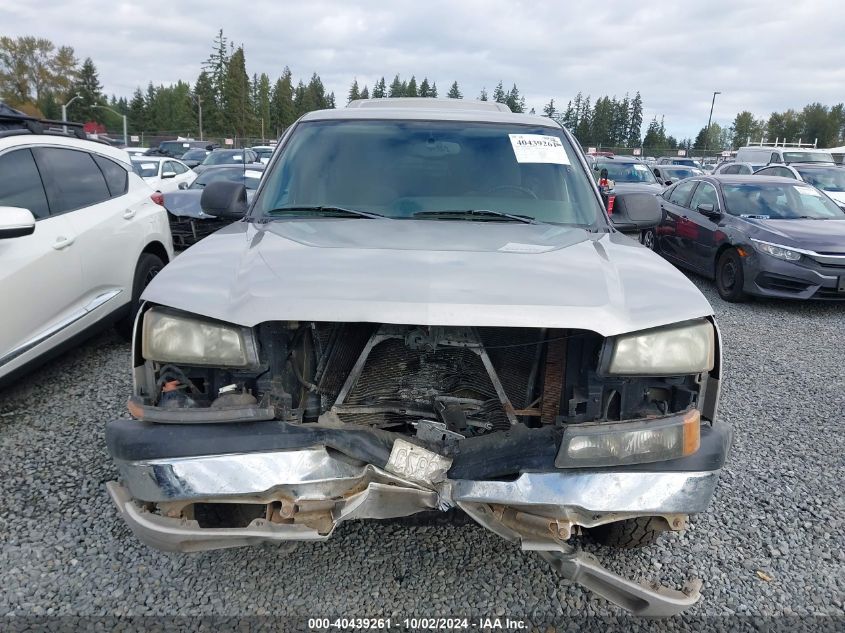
(64, 112)
(125, 136)
(709, 119)
(198, 99)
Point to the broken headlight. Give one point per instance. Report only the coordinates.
(675, 350)
(170, 337)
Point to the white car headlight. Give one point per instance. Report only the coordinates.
(781, 252)
(176, 338)
(675, 350)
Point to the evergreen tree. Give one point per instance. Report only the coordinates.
(549, 109)
(653, 137)
(365, 93)
(379, 89)
(583, 131)
(216, 66)
(319, 97)
(483, 96)
(204, 98)
(411, 90)
(425, 89)
(396, 89)
(635, 121)
(136, 119)
(263, 95)
(353, 91)
(514, 101)
(282, 111)
(746, 127)
(237, 106)
(88, 87)
(455, 92)
(433, 93)
(499, 95)
(568, 117)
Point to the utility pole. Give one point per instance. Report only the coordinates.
(709, 119)
(64, 112)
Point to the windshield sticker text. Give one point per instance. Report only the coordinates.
(538, 148)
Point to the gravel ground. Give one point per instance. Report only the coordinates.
(770, 546)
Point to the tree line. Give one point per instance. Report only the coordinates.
(38, 77)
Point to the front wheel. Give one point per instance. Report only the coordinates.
(149, 266)
(730, 277)
(648, 238)
(630, 533)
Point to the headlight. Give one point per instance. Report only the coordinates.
(677, 350)
(177, 338)
(781, 252)
(623, 443)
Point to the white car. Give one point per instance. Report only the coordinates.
(163, 174)
(80, 238)
(264, 152)
(136, 151)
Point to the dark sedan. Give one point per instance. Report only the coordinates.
(188, 222)
(194, 157)
(755, 235)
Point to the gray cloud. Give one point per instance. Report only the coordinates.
(763, 55)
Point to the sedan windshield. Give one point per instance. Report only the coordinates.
(807, 157)
(778, 201)
(826, 179)
(625, 172)
(224, 158)
(248, 177)
(195, 154)
(431, 169)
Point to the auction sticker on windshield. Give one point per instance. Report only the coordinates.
(538, 148)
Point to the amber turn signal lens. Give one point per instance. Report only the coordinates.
(692, 432)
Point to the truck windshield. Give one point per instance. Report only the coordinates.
(403, 169)
(807, 157)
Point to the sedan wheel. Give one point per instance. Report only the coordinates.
(730, 277)
(649, 239)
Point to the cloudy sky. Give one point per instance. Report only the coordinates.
(763, 55)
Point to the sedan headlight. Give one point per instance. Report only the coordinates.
(781, 252)
(676, 350)
(169, 337)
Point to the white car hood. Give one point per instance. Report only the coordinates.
(427, 273)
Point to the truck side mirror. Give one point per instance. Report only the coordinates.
(634, 212)
(224, 199)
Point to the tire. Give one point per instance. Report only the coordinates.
(630, 533)
(648, 238)
(149, 266)
(730, 277)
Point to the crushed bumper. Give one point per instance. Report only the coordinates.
(308, 490)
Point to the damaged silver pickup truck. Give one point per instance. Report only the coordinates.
(425, 308)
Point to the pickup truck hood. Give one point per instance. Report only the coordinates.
(427, 272)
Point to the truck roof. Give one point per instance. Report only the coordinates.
(427, 109)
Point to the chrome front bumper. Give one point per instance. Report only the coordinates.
(351, 491)
(308, 492)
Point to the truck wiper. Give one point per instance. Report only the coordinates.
(469, 214)
(323, 209)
